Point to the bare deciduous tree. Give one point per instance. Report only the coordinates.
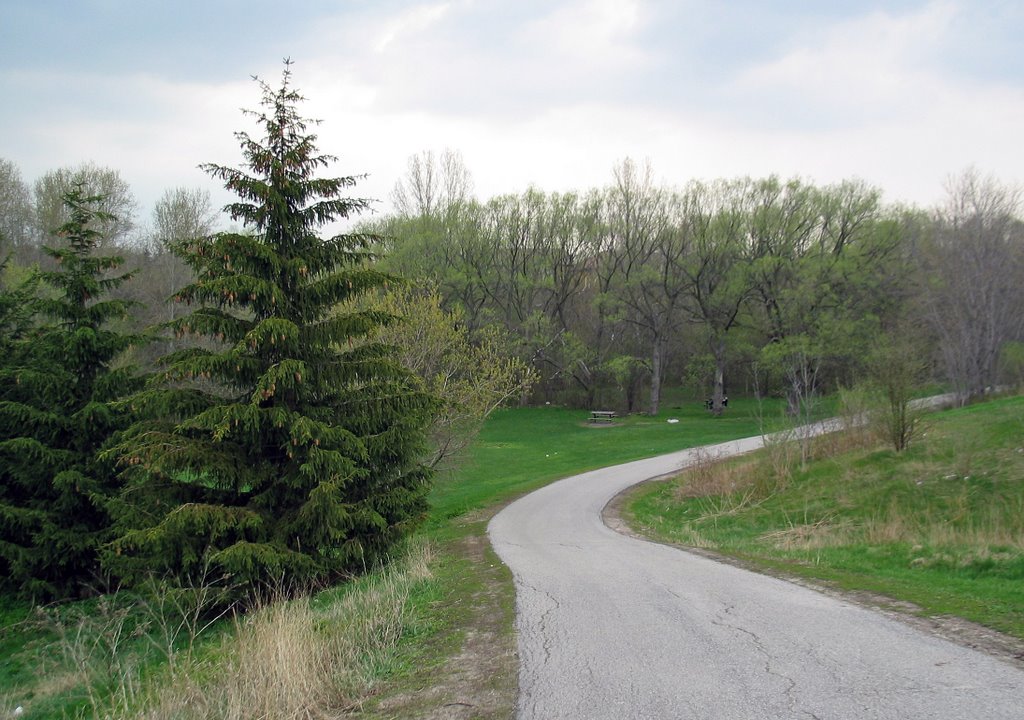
(15, 208)
(432, 186)
(975, 298)
(180, 215)
(118, 200)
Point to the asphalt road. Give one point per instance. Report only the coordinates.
(615, 627)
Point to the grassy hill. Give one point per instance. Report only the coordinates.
(940, 526)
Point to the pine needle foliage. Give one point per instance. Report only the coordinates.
(284, 448)
(58, 382)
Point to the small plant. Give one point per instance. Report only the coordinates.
(705, 476)
(897, 366)
(98, 648)
(854, 412)
(780, 457)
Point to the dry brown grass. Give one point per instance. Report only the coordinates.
(998, 528)
(708, 475)
(298, 659)
(758, 476)
(810, 536)
(771, 469)
(847, 440)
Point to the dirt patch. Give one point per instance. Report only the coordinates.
(962, 632)
(476, 676)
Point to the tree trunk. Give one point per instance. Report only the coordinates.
(794, 393)
(718, 390)
(656, 360)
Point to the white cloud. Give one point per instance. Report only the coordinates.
(589, 33)
(505, 61)
(876, 65)
(410, 22)
(873, 96)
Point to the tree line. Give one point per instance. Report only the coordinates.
(755, 284)
(266, 405)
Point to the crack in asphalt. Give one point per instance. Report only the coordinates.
(542, 625)
(758, 645)
(529, 673)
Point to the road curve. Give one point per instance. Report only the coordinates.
(615, 627)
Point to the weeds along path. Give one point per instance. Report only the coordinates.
(615, 627)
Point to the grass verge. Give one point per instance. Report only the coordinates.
(940, 525)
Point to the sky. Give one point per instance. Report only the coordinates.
(901, 94)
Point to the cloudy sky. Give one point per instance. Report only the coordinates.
(899, 93)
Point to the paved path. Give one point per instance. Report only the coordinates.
(615, 627)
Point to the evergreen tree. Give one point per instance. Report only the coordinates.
(18, 306)
(286, 448)
(57, 382)
(17, 311)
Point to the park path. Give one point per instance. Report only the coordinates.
(615, 627)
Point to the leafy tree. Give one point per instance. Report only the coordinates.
(651, 256)
(717, 268)
(472, 376)
(289, 452)
(56, 389)
(1011, 362)
(815, 252)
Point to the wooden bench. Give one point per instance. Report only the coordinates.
(602, 416)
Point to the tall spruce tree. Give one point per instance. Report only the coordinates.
(286, 448)
(57, 384)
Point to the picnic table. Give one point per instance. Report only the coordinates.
(602, 416)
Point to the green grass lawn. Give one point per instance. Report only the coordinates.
(941, 525)
(521, 449)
